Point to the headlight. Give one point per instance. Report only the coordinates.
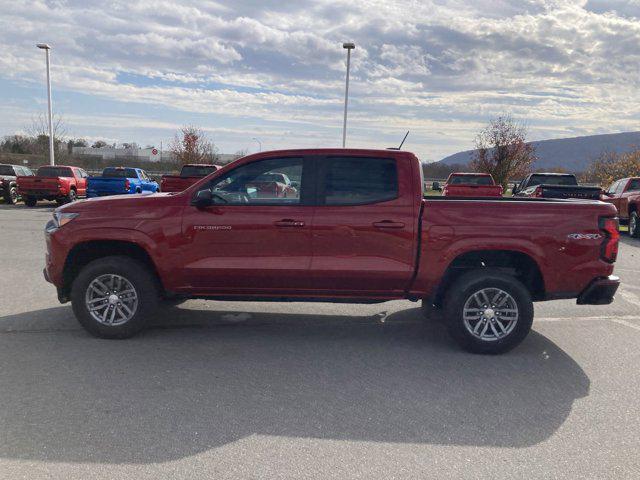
(60, 219)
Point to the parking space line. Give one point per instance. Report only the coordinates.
(622, 320)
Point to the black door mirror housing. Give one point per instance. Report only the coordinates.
(203, 199)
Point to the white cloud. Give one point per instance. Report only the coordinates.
(439, 68)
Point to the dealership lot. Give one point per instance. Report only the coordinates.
(272, 390)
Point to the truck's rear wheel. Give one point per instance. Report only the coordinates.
(113, 297)
(488, 311)
(634, 230)
(72, 197)
(30, 201)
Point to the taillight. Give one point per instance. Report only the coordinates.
(538, 192)
(609, 249)
(127, 185)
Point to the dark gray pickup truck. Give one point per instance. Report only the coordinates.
(555, 185)
(8, 186)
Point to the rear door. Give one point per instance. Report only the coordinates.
(250, 240)
(363, 226)
(621, 202)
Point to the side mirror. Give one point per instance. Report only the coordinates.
(202, 199)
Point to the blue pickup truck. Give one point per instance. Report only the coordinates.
(119, 181)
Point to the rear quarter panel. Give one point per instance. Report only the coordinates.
(537, 228)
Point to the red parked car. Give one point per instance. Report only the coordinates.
(60, 183)
(625, 195)
(357, 230)
(471, 185)
(189, 174)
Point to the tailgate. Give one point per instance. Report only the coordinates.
(176, 184)
(106, 185)
(38, 184)
(473, 190)
(568, 191)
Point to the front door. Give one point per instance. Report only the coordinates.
(364, 226)
(255, 237)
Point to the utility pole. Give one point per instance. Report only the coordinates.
(348, 47)
(47, 48)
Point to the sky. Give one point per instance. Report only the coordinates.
(136, 71)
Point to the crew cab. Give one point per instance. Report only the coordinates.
(119, 181)
(8, 184)
(471, 185)
(189, 174)
(625, 195)
(555, 185)
(60, 183)
(358, 229)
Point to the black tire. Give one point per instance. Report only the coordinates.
(137, 274)
(30, 201)
(11, 196)
(138, 190)
(72, 196)
(634, 225)
(463, 290)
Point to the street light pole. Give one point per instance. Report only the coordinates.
(348, 47)
(259, 143)
(46, 48)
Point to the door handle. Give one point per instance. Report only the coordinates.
(388, 224)
(287, 222)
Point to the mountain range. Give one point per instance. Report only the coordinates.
(572, 154)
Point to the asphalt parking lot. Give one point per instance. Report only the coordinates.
(269, 390)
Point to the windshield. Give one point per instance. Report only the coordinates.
(552, 180)
(471, 180)
(119, 173)
(197, 170)
(6, 170)
(54, 172)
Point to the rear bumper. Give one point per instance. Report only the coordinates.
(600, 291)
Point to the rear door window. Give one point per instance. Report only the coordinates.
(357, 180)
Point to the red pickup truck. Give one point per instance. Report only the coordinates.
(625, 195)
(357, 230)
(189, 174)
(471, 185)
(60, 183)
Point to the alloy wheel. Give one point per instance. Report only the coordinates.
(490, 314)
(111, 300)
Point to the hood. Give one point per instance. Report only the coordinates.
(142, 200)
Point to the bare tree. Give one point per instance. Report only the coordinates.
(502, 150)
(191, 145)
(39, 130)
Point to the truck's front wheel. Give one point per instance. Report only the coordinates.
(113, 297)
(488, 311)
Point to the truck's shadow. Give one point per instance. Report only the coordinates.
(173, 392)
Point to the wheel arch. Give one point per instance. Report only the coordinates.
(85, 252)
(516, 263)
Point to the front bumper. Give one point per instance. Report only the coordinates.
(600, 291)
